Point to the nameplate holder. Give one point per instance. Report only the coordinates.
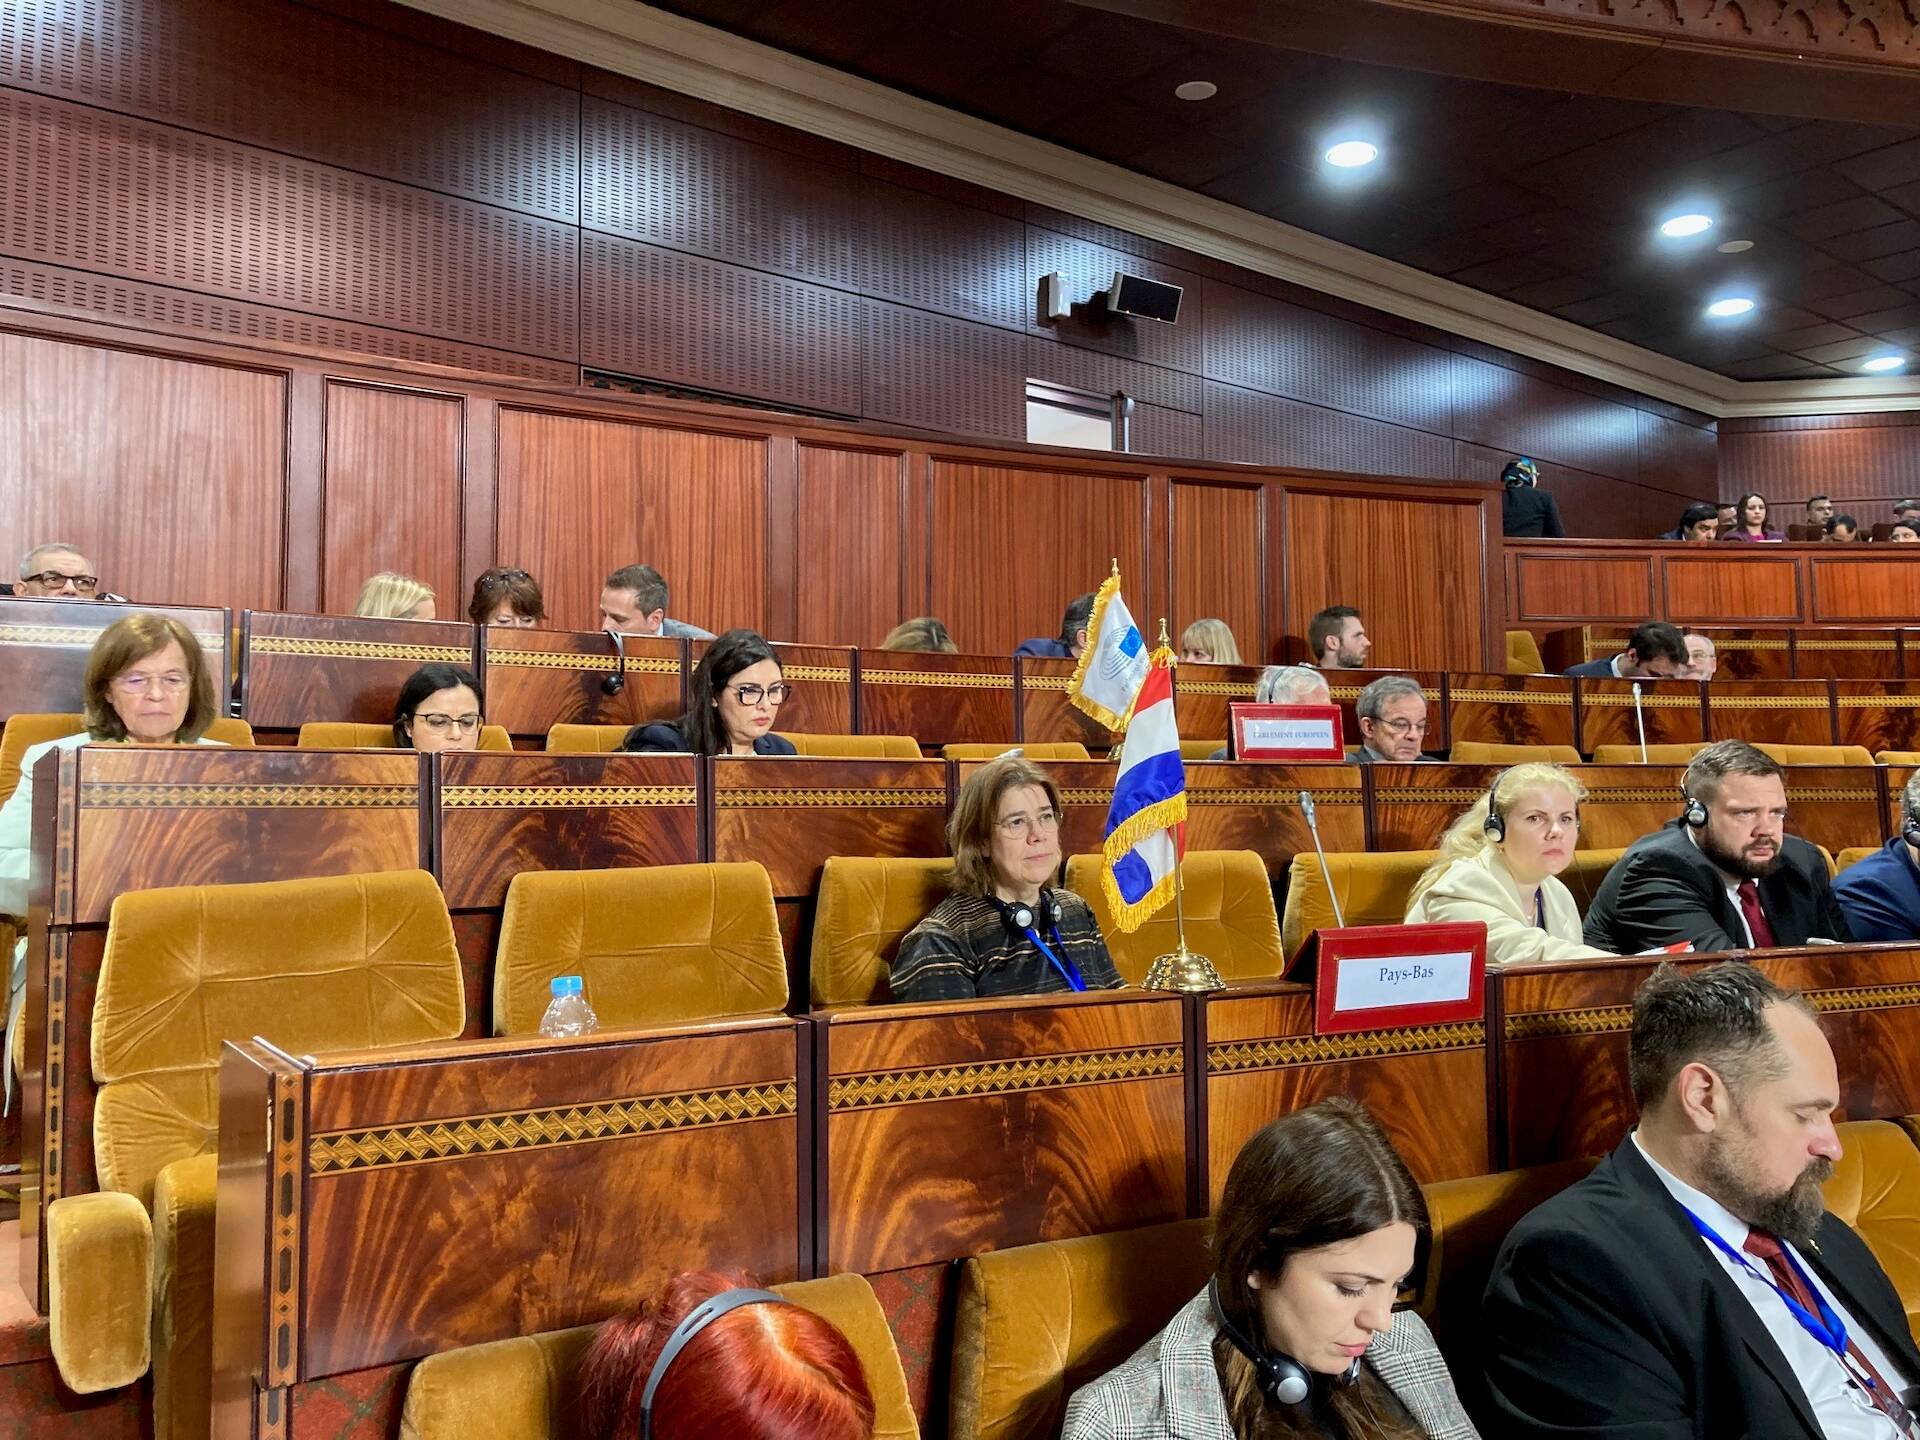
(1382, 977)
(1285, 732)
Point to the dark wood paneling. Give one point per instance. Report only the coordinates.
(105, 446)
(1046, 714)
(1552, 587)
(1205, 694)
(1869, 654)
(391, 482)
(1879, 714)
(936, 698)
(497, 816)
(584, 496)
(1706, 588)
(1668, 711)
(1864, 461)
(1504, 709)
(1073, 1114)
(1089, 518)
(850, 519)
(1216, 562)
(1358, 549)
(1868, 590)
(1835, 806)
(1426, 1085)
(1747, 654)
(44, 645)
(537, 679)
(296, 668)
(1786, 712)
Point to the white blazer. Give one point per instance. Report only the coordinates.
(1481, 888)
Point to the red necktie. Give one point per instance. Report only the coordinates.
(1756, 917)
(1766, 1248)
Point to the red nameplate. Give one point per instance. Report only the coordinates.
(1380, 977)
(1286, 732)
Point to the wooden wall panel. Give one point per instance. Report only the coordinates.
(1573, 587)
(1865, 462)
(391, 482)
(168, 473)
(1713, 587)
(1216, 562)
(849, 539)
(585, 496)
(1012, 546)
(1864, 590)
(1364, 551)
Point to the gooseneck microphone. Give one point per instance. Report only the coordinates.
(1326, 871)
(1640, 722)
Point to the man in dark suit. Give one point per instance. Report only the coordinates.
(1073, 633)
(1649, 1300)
(1725, 875)
(1525, 512)
(1655, 651)
(1880, 895)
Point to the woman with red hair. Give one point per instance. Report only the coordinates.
(751, 1366)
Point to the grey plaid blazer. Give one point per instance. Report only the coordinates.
(1170, 1390)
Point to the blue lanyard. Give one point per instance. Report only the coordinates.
(1829, 1329)
(1068, 970)
(1540, 908)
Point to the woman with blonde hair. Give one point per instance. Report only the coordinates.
(1209, 642)
(922, 633)
(1498, 863)
(392, 596)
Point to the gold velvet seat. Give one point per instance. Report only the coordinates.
(1523, 654)
(1373, 889)
(605, 738)
(1478, 752)
(660, 945)
(1656, 754)
(357, 961)
(1852, 856)
(1817, 754)
(1229, 911)
(1201, 749)
(1880, 757)
(866, 906)
(589, 739)
(364, 735)
(1037, 750)
(522, 1389)
(23, 732)
(1875, 1188)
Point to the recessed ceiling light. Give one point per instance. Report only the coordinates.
(1196, 90)
(1729, 306)
(1350, 153)
(1678, 227)
(1879, 364)
(1734, 247)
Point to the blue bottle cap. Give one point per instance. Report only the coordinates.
(566, 985)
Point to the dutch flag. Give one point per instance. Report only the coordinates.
(1146, 825)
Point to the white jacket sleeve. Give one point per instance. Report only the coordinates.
(16, 838)
(1467, 892)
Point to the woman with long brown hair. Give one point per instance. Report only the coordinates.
(1296, 1334)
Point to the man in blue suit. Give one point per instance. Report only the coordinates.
(1654, 651)
(1880, 895)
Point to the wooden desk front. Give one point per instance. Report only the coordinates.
(45, 644)
(296, 668)
(937, 698)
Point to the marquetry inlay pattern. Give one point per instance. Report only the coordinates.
(798, 799)
(562, 797)
(1230, 1057)
(119, 795)
(1002, 1077)
(358, 649)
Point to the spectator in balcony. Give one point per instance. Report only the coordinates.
(1750, 524)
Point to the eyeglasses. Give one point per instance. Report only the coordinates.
(171, 683)
(1403, 727)
(53, 580)
(1041, 822)
(775, 694)
(441, 724)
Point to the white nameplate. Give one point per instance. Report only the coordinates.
(1292, 732)
(1415, 980)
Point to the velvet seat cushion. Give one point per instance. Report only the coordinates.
(1228, 901)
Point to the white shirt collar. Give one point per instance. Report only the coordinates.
(1618, 673)
(1711, 1213)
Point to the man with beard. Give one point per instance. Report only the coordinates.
(1693, 1285)
(1725, 875)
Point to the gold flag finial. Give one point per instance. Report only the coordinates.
(1164, 641)
(1114, 573)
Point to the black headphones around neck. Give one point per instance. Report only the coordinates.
(1282, 1379)
(1019, 915)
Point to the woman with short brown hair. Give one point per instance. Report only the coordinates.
(1317, 1230)
(506, 597)
(1005, 929)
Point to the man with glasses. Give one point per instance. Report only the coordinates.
(57, 571)
(1393, 721)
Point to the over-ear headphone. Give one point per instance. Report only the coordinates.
(701, 1316)
(617, 681)
(1495, 824)
(1281, 1378)
(1910, 826)
(1694, 812)
(1020, 915)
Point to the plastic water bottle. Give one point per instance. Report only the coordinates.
(568, 1012)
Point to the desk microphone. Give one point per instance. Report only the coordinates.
(617, 681)
(1640, 722)
(1326, 873)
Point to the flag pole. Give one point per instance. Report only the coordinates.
(1181, 969)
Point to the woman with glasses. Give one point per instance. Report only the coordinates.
(147, 683)
(1005, 929)
(1498, 864)
(735, 696)
(439, 708)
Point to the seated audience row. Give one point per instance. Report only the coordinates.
(1692, 1285)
